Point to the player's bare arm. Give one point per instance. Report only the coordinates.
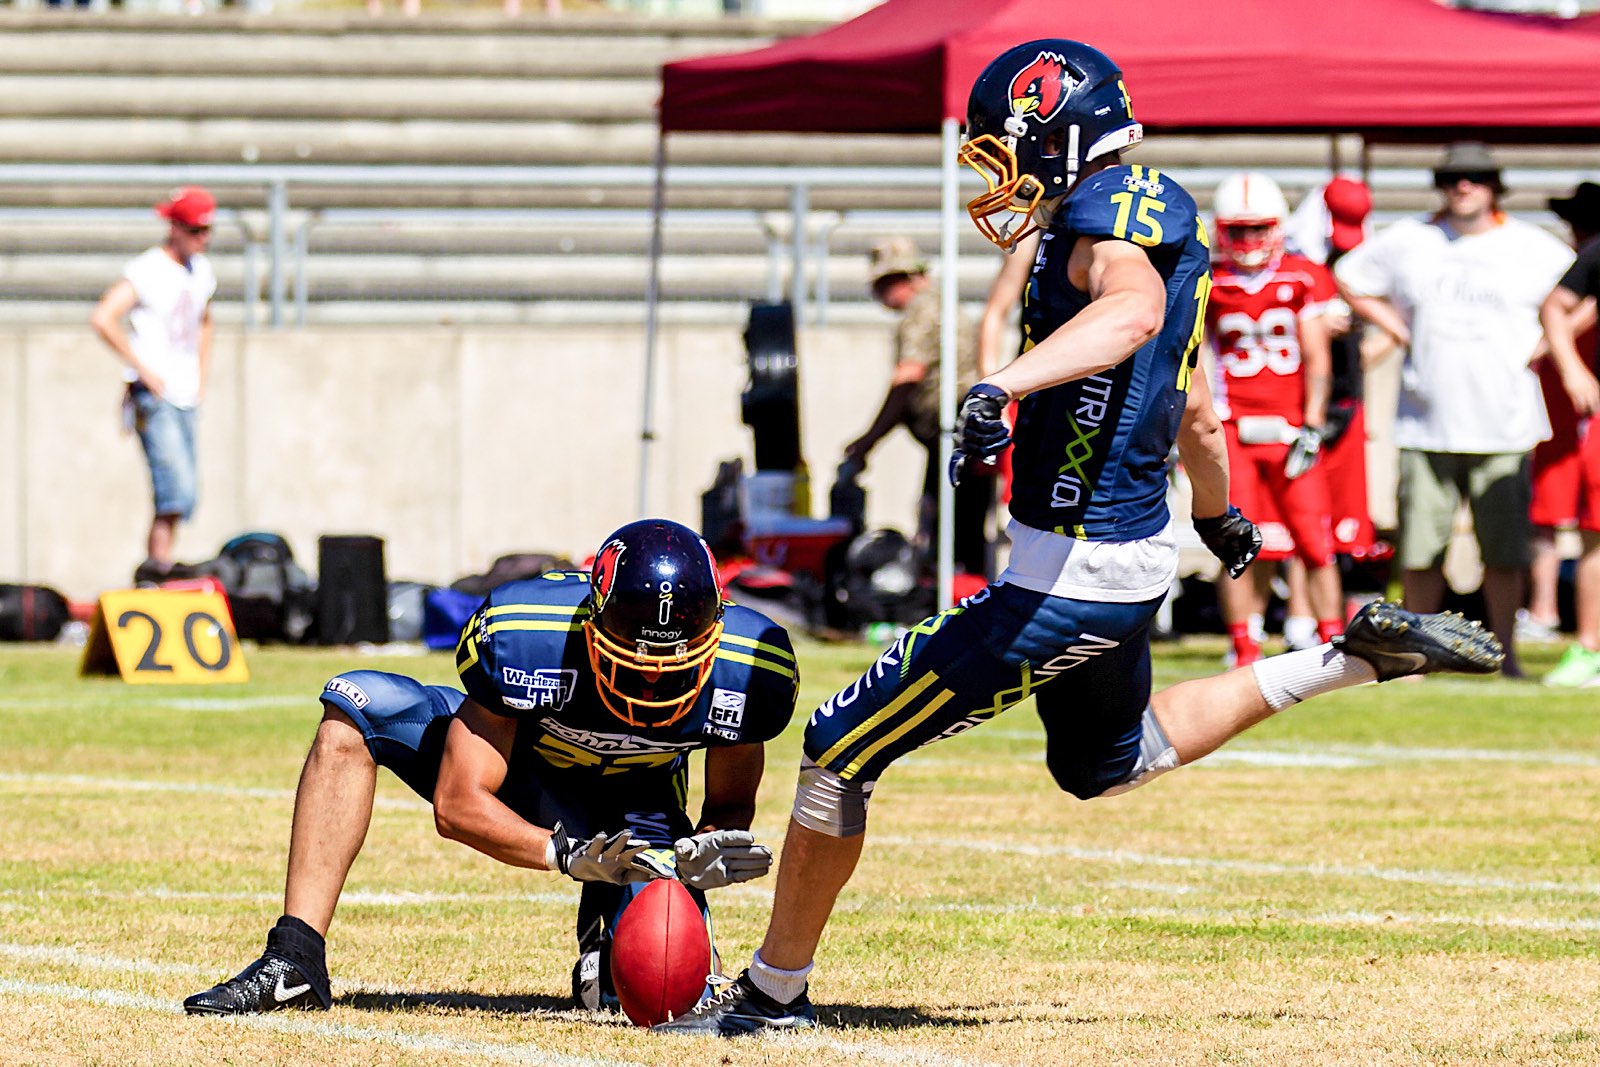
(1004, 292)
(732, 775)
(477, 754)
(1204, 451)
(106, 319)
(1127, 308)
(1559, 315)
(723, 850)
(1316, 360)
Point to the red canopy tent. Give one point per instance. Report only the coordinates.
(1390, 69)
(1383, 67)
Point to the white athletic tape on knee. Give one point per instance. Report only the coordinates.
(828, 804)
(1156, 756)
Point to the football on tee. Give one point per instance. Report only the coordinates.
(660, 953)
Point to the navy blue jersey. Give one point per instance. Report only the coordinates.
(1091, 455)
(522, 655)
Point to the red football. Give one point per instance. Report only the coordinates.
(660, 953)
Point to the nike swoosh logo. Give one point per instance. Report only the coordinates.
(281, 994)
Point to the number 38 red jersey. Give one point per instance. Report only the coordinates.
(1254, 321)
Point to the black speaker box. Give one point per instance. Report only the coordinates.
(352, 591)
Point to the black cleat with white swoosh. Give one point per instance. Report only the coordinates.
(1398, 642)
(271, 983)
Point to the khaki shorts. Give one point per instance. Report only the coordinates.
(1497, 488)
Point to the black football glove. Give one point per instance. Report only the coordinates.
(981, 430)
(1232, 538)
(1303, 452)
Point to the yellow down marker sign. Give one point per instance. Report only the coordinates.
(164, 636)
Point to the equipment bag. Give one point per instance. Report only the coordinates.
(31, 613)
(271, 596)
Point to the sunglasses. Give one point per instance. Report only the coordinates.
(195, 231)
(1448, 179)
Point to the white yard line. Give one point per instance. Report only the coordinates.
(173, 703)
(138, 785)
(302, 1024)
(1421, 876)
(1347, 755)
(1279, 916)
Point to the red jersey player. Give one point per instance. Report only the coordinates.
(1270, 385)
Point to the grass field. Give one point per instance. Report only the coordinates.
(1404, 874)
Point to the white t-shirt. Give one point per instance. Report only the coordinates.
(1472, 303)
(164, 326)
(1116, 572)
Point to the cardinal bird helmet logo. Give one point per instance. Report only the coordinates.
(1041, 88)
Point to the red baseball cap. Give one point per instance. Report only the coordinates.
(1349, 203)
(189, 206)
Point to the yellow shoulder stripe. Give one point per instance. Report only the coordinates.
(761, 646)
(740, 657)
(537, 609)
(533, 624)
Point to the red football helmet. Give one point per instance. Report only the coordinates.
(1250, 211)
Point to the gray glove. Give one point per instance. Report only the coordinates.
(721, 857)
(1303, 452)
(616, 858)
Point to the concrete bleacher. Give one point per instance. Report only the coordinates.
(477, 89)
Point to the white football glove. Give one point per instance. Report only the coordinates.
(616, 858)
(721, 857)
(1303, 452)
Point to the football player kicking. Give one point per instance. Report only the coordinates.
(569, 751)
(1273, 375)
(1113, 317)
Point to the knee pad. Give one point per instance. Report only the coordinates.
(1156, 757)
(828, 804)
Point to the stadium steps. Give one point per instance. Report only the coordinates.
(472, 89)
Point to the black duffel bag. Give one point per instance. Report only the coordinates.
(31, 613)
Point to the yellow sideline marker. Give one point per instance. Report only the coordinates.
(168, 636)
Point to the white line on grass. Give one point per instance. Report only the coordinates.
(1275, 915)
(111, 998)
(1347, 755)
(174, 703)
(1315, 870)
(137, 785)
(523, 1054)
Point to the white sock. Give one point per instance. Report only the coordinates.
(782, 986)
(1300, 631)
(1296, 676)
(1258, 627)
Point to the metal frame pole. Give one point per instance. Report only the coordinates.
(277, 209)
(652, 308)
(950, 133)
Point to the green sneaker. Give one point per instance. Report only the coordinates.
(1579, 667)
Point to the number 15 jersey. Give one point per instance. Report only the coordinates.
(1090, 459)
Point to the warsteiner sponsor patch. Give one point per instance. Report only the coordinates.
(546, 687)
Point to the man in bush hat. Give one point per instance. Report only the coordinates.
(900, 282)
(1461, 289)
(1567, 467)
(165, 295)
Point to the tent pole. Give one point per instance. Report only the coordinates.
(948, 209)
(652, 301)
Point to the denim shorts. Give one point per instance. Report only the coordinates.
(167, 434)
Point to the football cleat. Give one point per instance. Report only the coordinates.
(1398, 642)
(271, 983)
(741, 1008)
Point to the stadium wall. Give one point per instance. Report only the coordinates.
(454, 444)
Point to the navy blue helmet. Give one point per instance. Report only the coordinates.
(655, 619)
(1037, 114)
